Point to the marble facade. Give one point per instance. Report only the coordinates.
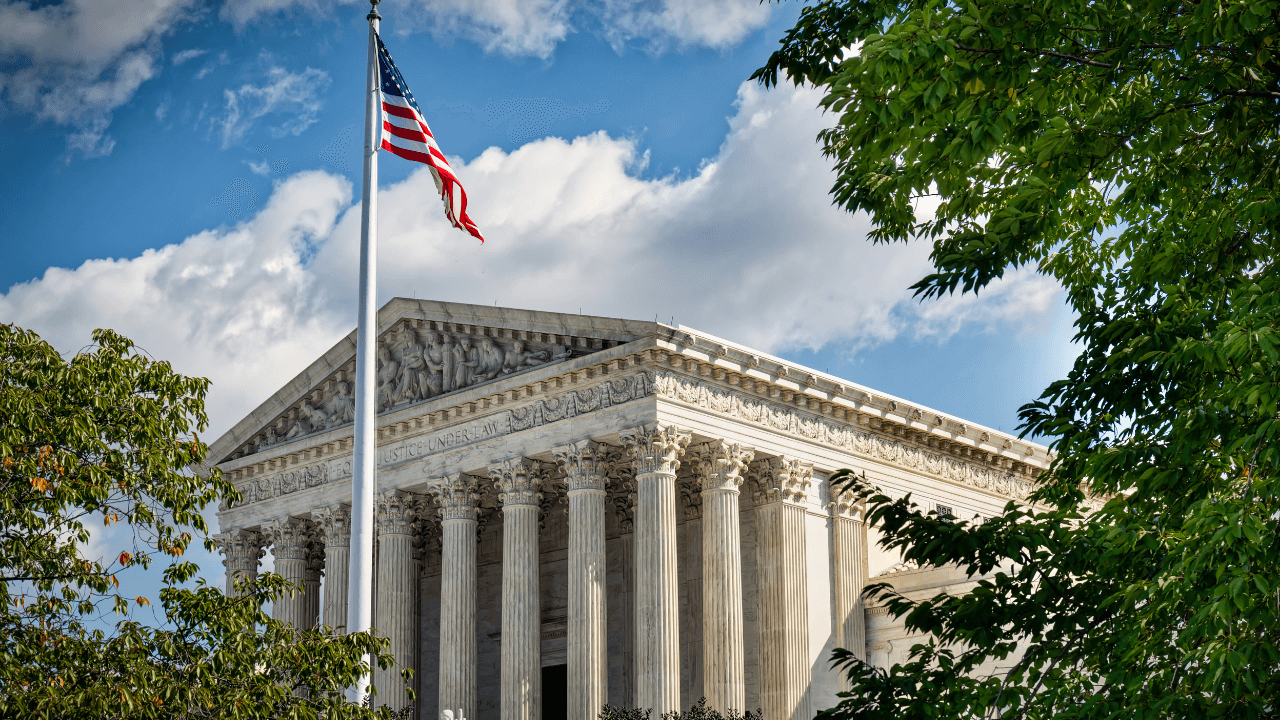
(647, 506)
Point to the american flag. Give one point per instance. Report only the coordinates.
(405, 133)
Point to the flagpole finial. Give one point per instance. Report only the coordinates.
(373, 11)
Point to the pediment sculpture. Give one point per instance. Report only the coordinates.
(414, 365)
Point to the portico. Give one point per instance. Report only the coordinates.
(645, 505)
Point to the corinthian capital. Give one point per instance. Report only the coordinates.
(781, 479)
(585, 464)
(719, 465)
(458, 496)
(518, 481)
(656, 448)
(334, 523)
(289, 537)
(848, 505)
(396, 512)
(242, 548)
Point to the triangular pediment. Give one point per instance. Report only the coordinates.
(427, 349)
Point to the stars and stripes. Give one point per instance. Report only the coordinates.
(405, 133)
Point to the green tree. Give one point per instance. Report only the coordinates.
(1129, 151)
(108, 437)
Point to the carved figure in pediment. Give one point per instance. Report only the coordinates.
(388, 371)
(464, 362)
(490, 360)
(516, 358)
(413, 363)
(310, 420)
(559, 352)
(430, 383)
(448, 365)
(341, 406)
(268, 438)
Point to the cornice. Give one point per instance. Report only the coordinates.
(715, 360)
(813, 408)
(991, 474)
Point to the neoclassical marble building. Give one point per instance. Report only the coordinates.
(577, 510)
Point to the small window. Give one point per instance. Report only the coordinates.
(945, 513)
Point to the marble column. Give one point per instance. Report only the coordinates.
(655, 450)
(517, 481)
(781, 489)
(588, 671)
(718, 470)
(458, 496)
(243, 549)
(290, 538)
(850, 539)
(334, 526)
(395, 602)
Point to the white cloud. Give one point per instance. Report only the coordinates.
(79, 60)
(749, 248)
(709, 23)
(186, 55)
(259, 168)
(536, 27)
(296, 96)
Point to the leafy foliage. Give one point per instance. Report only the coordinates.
(700, 711)
(107, 437)
(1129, 150)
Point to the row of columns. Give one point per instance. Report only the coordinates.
(655, 452)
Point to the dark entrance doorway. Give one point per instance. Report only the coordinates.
(555, 692)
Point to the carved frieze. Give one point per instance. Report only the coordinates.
(839, 435)
(577, 402)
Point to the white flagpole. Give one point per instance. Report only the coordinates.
(360, 599)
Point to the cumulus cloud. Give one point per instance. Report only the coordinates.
(659, 23)
(748, 248)
(78, 61)
(297, 96)
(536, 27)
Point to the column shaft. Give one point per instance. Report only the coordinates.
(290, 538)
(718, 468)
(521, 663)
(655, 451)
(396, 600)
(782, 588)
(588, 671)
(334, 523)
(458, 497)
(723, 674)
(850, 539)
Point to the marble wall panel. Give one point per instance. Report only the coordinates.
(619, 604)
(429, 645)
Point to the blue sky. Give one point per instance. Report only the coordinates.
(188, 174)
